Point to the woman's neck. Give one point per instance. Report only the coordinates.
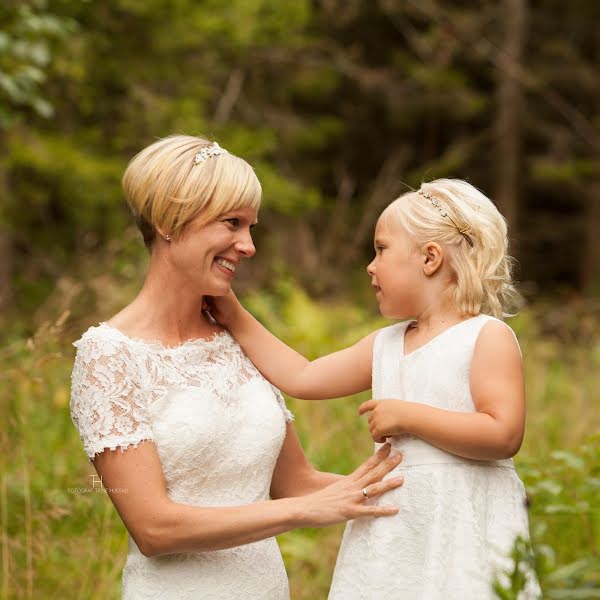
(165, 310)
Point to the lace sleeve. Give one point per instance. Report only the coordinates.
(107, 406)
(287, 413)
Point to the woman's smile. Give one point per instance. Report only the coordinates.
(225, 266)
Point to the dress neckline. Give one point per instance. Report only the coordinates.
(214, 339)
(434, 338)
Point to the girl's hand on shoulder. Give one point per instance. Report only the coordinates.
(347, 498)
(386, 417)
(223, 309)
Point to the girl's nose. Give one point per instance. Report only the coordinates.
(371, 268)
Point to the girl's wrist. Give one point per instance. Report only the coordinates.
(237, 318)
(411, 418)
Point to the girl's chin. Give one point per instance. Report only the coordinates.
(392, 314)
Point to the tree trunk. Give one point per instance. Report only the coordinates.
(508, 121)
(6, 244)
(589, 278)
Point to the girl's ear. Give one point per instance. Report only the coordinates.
(433, 257)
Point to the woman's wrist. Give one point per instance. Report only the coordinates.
(300, 512)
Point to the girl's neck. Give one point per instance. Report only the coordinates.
(438, 315)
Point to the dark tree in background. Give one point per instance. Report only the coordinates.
(339, 105)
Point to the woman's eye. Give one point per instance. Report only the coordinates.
(379, 248)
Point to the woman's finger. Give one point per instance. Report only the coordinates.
(376, 489)
(375, 510)
(371, 463)
(381, 469)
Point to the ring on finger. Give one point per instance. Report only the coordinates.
(365, 493)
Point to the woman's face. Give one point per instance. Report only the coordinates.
(207, 255)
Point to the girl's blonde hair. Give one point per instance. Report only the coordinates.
(165, 187)
(474, 236)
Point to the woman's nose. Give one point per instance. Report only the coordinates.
(244, 245)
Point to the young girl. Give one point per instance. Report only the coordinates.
(448, 394)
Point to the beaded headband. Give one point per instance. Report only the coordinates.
(464, 231)
(213, 150)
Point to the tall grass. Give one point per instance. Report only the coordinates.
(61, 539)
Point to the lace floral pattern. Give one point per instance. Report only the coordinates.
(458, 518)
(218, 427)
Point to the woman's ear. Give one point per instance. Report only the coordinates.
(165, 236)
(433, 257)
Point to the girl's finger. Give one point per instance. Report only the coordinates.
(366, 406)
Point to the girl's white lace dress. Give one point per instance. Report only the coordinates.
(458, 518)
(218, 427)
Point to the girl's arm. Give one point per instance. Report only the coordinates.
(135, 483)
(494, 432)
(339, 374)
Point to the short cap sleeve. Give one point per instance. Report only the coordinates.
(107, 405)
(289, 417)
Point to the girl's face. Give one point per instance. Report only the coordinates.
(207, 255)
(396, 273)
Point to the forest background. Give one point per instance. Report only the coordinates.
(340, 105)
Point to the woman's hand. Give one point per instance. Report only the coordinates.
(346, 499)
(387, 417)
(223, 309)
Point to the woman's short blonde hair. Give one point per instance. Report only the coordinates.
(166, 189)
(474, 236)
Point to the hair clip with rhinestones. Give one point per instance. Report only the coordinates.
(464, 231)
(213, 150)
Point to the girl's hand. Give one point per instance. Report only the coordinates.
(345, 500)
(223, 309)
(386, 418)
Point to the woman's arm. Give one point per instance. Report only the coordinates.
(160, 526)
(293, 474)
(339, 374)
(494, 432)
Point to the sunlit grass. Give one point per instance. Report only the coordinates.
(62, 543)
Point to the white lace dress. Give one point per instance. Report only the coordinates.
(458, 518)
(218, 427)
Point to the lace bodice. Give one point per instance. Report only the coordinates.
(218, 427)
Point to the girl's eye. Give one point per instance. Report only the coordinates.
(379, 248)
(234, 221)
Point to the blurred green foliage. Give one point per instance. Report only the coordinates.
(340, 106)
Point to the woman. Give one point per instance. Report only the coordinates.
(203, 440)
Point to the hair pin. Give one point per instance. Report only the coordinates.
(464, 231)
(213, 150)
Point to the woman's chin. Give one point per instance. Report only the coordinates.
(215, 288)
